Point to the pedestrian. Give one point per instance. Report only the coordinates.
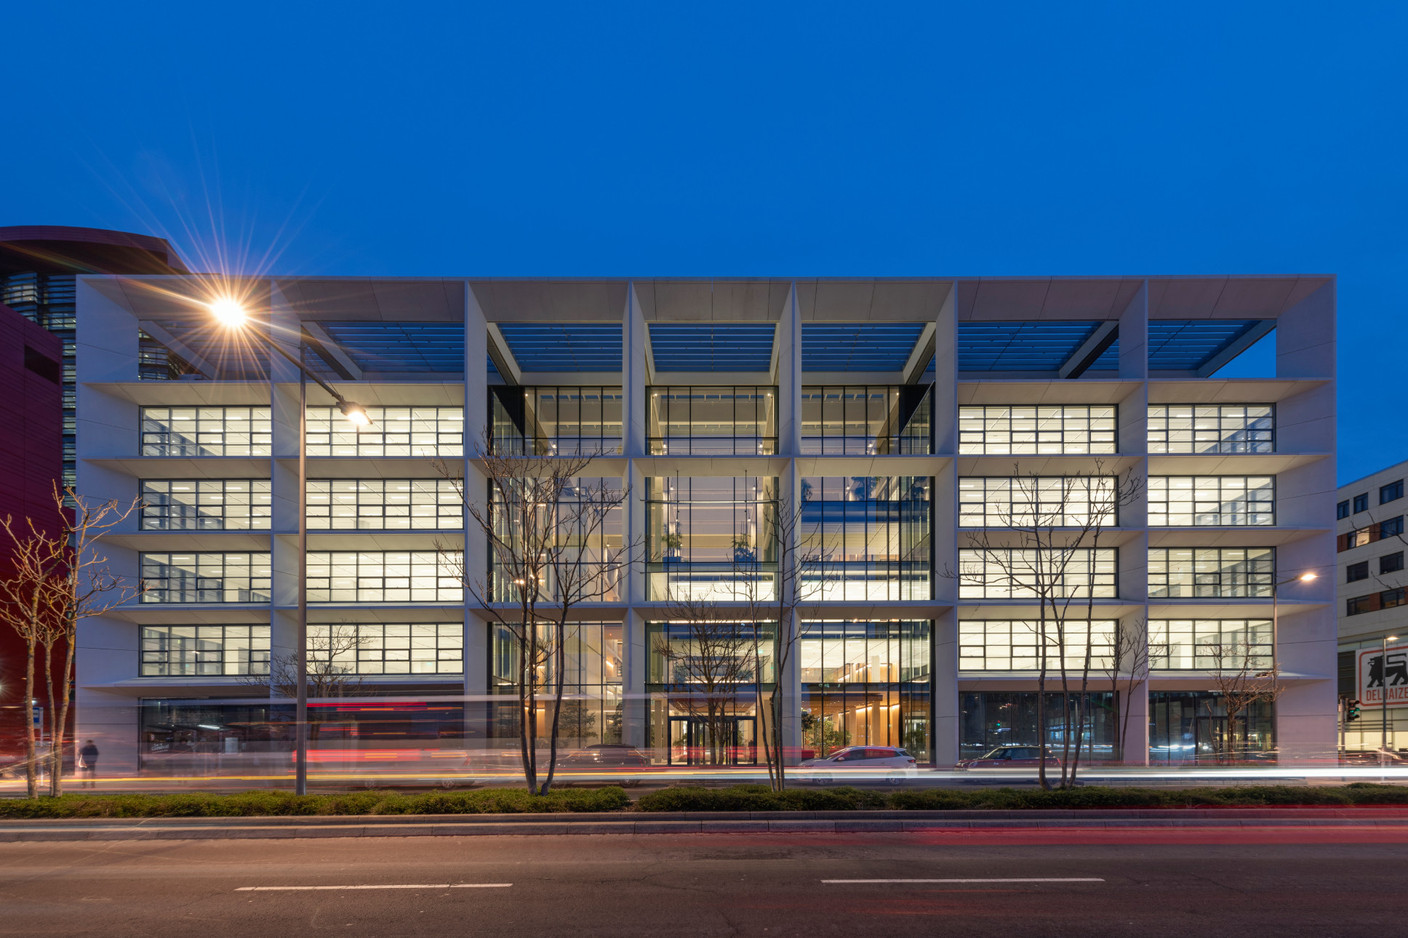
(88, 764)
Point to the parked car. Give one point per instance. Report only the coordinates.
(1372, 757)
(894, 762)
(605, 755)
(1010, 757)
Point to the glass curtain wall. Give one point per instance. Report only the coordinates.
(704, 682)
(866, 538)
(711, 538)
(574, 538)
(555, 421)
(591, 703)
(1008, 718)
(865, 683)
(1193, 727)
(705, 421)
(867, 420)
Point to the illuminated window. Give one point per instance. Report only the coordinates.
(384, 576)
(389, 648)
(739, 421)
(205, 504)
(205, 431)
(867, 420)
(1018, 573)
(204, 650)
(1048, 501)
(1001, 430)
(1188, 501)
(384, 504)
(1016, 645)
(1209, 644)
(1211, 572)
(394, 431)
(206, 577)
(1212, 428)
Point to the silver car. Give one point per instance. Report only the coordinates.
(894, 763)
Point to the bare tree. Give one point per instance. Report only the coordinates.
(330, 673)
(1046, 548)
(1125, 669)
(777, 601)
(709, 655)
(1242, 679)
(59, 579)
(551, 531)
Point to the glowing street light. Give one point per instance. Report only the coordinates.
(232, 314)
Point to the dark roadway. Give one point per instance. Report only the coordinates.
(1197, 882)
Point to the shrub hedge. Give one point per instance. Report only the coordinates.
(683, 798)
(285, 804)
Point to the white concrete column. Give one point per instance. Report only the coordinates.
(634, 669)
(947, 716)
(475, 492)
(789, 377)
(1134, 337)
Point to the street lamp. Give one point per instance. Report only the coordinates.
(233, 315)
(1383, 701)
(1305, 577)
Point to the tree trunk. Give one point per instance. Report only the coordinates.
(61, 714)
(31, 765)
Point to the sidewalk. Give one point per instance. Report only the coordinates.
(684, 823)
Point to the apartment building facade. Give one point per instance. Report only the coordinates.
(911, 423)
(1373, 617)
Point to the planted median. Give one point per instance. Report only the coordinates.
(681, 799)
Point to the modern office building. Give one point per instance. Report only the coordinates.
(1373, 632)
(910, 422)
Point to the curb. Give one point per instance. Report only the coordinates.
(693, 823)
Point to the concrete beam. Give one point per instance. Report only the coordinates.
(332, 353)
(159, 332)
(1084, 356)
(1241, 344)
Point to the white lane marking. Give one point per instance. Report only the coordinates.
(381, 886)
(1015, 879)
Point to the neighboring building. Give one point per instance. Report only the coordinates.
(38, 266)
(896, 412)
(1372, 581)
(31, 460)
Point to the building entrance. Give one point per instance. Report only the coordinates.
(722, 740)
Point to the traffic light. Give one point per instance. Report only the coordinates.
(1351, 710)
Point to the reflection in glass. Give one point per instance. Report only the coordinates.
(701, 421)
(867, 420)
(865, 683)
(866, 538)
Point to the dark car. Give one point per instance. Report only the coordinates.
(1010, 757)
(605, 755)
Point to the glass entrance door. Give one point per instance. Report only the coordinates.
(725, 740)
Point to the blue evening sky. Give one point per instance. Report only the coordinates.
(740, 138)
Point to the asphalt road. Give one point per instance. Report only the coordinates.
(1197, 882)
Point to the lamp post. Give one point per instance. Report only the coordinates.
(1383, 701)
(1275, 618)
(234, 316)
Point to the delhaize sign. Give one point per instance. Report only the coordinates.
(1377, 677)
